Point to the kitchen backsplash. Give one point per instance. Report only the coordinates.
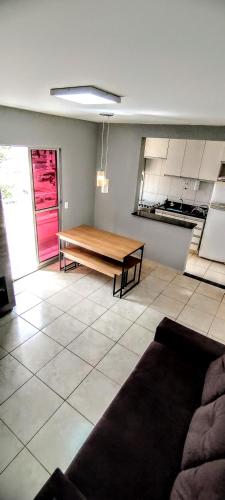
(157, 186)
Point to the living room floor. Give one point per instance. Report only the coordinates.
(66, 350)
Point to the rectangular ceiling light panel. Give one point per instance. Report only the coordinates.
(86, 95)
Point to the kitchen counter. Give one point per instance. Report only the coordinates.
(164, 219)
(184, 212)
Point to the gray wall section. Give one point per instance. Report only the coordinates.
(113, 210)
(77, 140)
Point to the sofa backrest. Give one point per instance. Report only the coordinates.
(203, 461)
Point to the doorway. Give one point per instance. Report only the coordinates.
(29, 183)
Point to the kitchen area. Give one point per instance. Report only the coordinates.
(184, 181)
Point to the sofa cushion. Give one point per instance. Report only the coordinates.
(206, 437)
(59, 487)
(214, 385)
(206, 482)
(135, 450)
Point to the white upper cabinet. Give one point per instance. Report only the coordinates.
(212, 157)
(192, 158)
(156, 148)
(175, 157)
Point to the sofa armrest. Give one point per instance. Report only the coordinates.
(188, 342)
(59, 487)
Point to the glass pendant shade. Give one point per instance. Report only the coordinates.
(105, 187)
(100, 178)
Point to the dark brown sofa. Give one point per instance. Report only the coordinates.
(156, 439)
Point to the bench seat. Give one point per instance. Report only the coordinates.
(97, 262)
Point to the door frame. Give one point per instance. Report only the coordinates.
(58, 207)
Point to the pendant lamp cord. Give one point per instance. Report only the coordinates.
(103, 126)
(107, 148)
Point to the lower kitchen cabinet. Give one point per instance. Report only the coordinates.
(197, 231)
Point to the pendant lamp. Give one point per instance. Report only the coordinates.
(100, 174)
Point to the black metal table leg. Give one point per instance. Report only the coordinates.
(140, 266)
(124, 282)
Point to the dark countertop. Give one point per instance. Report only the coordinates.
(166, 220)
(187, 213)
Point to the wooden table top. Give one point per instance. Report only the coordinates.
(103, 242)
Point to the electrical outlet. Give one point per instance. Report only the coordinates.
(66, 205)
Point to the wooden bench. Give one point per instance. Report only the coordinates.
(102, 264)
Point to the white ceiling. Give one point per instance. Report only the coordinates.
(166, 57)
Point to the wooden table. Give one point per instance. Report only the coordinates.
(103, 251)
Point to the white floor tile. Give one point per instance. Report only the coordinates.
(118, 364)
(18, 286)
(29, 408)
(215, 277)
(10, 447)
(44, 288)
(104, 296)
(150, 319)
(64, 373)
(3, 353)
(178, 293)
(128, 309)
(8, 317)
(155, 284)
(94, 395)
(23, 478)
(15, 332)
(12, 376)
(186, 282)
(65, 299)
(64, 329)
(195, 270)
(203, 303)
(112, 325)
(59, 440)
(221, 311)
(164, 273)
(141, 295)
(167, 306)
(89, 284)
(214, 292)
(91, 346)
(195, 319)
(75, 274)
(42, 315)
(198, 261)
(217, 329)
(218, 267)
(25, 301)
(148, 264)
(87, 311)
(37, 351)
(137, 339)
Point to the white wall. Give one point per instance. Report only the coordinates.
(77, 140)
(113, 210)
(158, 186)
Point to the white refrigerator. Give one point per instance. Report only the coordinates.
(213, 239)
